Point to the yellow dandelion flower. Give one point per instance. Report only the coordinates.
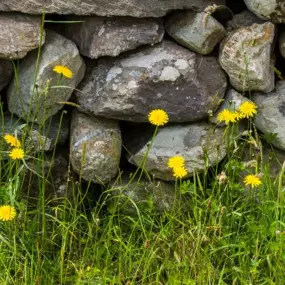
(158, 117)
(13, 141)
(7, 213)
(65, 71)
(252, 180)
(247, 109)
(179, 172)
(88, 268)
(228, 116)
(17, 153)
(176, 161)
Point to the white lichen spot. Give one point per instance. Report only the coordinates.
(169, 73)
(101, 31)
(192, 63)
(181, 64)
(99, 144)
(132, 84)
(147, 60)
(113, 73)
(114, 87)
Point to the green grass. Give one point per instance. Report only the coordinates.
(227, 235)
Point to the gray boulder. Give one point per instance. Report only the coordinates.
(166, 76)
(199, 32)
(19, 34)
(100, 36)
(37, 138)
(202, 145)
(243, 19)
(143, 195)
(246, 56)
(270, 117)
(273, 10)
(95, 147)
(37, 100)
(6, 73)
(146, 8)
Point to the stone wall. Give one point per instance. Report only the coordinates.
(190, 58)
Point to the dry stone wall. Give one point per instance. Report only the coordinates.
(128, 57)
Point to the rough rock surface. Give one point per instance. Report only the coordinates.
(273, 10)
(232, 101)
(243, 19)
(95, 147)
(282, 43)
(196, 142)
(19, 35)
(197, 31)
(166, 76)
(246, 56)
(37, 138)
(152, 196)
(41, 102)
(145, 8)
(100, 36)
(270, 118)
(6, 72)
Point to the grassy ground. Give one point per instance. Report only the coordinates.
(230, 234)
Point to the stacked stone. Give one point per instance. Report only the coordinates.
(139, 57)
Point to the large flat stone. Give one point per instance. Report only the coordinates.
(37, 100)
(196, 142)
(145, 8)
(166, 76)
(102, 36)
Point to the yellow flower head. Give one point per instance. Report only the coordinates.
(13, 141)
(7, 213)
(158, 117)
(228, 116)
(252, 180)
(247, 109)
(17, 153)
(65, 71)
(179, 172)
(176, 161)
